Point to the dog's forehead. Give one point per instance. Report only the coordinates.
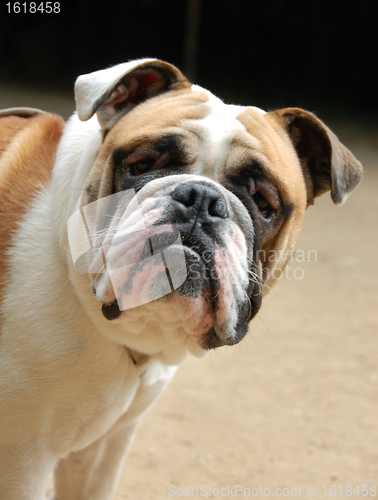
(227, 112)
(196, 109)
(218, 128)
(215, 126)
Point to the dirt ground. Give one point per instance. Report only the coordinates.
(295, 404)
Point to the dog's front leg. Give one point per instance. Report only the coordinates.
(24, 473)
(92, 473)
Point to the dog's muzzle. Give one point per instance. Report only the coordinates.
(191, 255)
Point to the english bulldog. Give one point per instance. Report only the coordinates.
(141, 230)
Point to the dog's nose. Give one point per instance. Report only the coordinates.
(200, 201)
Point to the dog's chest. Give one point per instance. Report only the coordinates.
(124, 398)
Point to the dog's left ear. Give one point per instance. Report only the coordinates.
(328, 165)
(114, 91)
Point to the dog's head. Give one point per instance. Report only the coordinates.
(192, 206)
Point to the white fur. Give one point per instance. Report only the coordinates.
(218, 129)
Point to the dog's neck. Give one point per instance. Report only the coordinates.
(138, 358)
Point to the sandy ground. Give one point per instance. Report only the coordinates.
(295, 404)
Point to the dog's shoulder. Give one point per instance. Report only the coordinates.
(28, 144)
(27, 151)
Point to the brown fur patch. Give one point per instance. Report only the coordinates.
(27, 153)
(281, 165)
(146, 123)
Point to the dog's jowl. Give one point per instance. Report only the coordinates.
(131, 235)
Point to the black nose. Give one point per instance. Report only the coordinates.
(200, 201)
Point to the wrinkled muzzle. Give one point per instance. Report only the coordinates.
(176, 247)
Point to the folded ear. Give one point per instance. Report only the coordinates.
(328, 165)
(114, 91)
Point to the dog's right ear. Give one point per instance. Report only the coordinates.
(113, 92)
(328, 165)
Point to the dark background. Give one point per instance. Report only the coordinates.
(316, 54)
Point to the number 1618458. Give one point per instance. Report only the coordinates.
(33, 7)
(349, 490)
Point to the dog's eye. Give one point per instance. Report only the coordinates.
(142, 166)
(265, 198)
(140, 163)
(263, 205)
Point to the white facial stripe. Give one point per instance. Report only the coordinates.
(218, 129)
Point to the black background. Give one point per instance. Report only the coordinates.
(317, 54)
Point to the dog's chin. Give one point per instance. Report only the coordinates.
(175, 317)
(188, 316)
(176, 320)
